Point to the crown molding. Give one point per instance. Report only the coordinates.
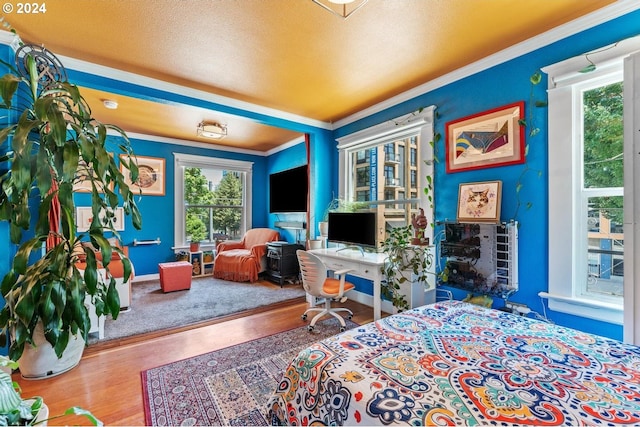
(622, 7)
(128, 77)
(188, 143)
(286, 145)
(603, 15)
(12, 40)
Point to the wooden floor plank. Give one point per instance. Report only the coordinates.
(108, 383)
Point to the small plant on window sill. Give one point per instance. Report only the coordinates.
(405, 263)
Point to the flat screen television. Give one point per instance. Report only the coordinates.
(288, 190)
(352, 228)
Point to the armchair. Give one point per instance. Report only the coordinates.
(242, 261)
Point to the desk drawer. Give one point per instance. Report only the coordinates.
(360, 270)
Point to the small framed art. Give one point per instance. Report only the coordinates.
(480, 202)
(84, 218)
(151, 175)
(488, 139)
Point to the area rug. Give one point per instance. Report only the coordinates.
(153, 310)
(230, 386)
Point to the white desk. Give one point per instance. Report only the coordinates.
(366, 266)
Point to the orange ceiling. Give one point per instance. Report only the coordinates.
(288, 55)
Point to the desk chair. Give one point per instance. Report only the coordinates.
(317, 284)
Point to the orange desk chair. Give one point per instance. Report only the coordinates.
(317, 284)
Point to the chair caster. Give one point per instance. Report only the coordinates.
(342, 329)
(310, 328)
(350, 317)
(304, 317)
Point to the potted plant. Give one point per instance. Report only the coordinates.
(49, 137)
(406, 263)
(18, 411)
(196, 231)
(338, 205)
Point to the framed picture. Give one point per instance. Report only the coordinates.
(492, 138)
(84, 218)
(480, 202)
(150, 178)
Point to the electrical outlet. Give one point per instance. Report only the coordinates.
(514, 305)
(517, 307)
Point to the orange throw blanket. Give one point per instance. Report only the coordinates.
(239, 261)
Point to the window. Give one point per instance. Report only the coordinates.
(213, 197)
(399, 158)
(587, 182)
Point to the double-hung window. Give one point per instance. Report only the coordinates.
(213, 199)
(387, 166)
(587, 178)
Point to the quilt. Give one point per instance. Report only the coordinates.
(454, 363)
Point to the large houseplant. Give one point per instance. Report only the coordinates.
(50, 132)
(405, 263)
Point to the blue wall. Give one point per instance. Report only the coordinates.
(504, 84)
(500, 85)
(158, 211)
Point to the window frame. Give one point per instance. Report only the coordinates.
(182, 161)
(565, 84)
(419, 123)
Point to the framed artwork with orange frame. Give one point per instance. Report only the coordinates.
(151, 175)
(488, 139)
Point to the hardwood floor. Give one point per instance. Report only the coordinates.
(107, 381)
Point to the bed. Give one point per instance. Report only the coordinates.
(454, 363)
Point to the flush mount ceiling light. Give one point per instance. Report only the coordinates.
(342, 8)
(110, 104)
(212, 130)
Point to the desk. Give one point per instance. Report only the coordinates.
(366, 266)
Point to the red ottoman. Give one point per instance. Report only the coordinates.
(175, 276)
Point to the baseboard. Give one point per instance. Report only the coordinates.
(366, 299)
(146, 278)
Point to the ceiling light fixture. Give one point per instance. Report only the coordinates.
(212, 130)
(342, 8)
(110, 104)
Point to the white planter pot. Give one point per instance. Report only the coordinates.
(323, 228)
(40, 361)
(315, 244)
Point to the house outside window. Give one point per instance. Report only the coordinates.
(389, 179)
(212, 195)
(588, 174)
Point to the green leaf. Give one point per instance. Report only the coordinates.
(83, 412)
(8, 86)
(589, 68)
(71, 156)
(536, 78)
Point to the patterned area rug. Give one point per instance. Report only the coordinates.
(230, 386)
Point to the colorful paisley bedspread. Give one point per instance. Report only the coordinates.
(453, 363)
